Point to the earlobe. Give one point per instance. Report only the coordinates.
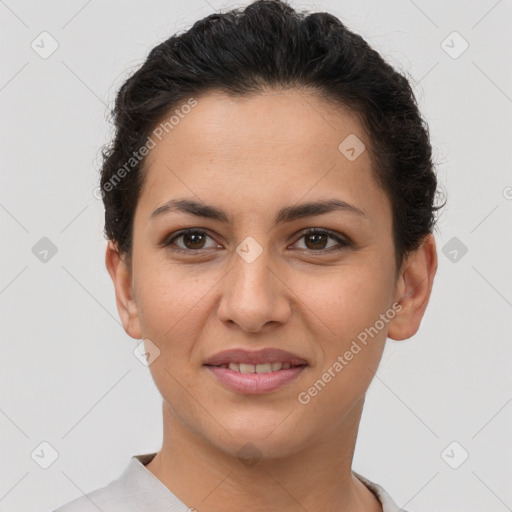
(120, 274)
(413, 290)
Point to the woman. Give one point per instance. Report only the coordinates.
(269, 206)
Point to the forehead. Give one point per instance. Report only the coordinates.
(264, 149)
(286, 124)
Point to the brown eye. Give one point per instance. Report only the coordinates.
(316, 240)
(191, 240)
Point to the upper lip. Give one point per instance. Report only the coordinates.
(265, 355)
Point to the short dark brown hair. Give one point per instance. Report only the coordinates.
(269, 44)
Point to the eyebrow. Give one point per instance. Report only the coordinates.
(286, 214)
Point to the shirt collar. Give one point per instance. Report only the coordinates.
(141, 485)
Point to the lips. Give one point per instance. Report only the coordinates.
(255, 372)
(257, 357)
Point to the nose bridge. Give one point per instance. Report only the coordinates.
(252, 294)
(252, 270)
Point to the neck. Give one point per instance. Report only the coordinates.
(316, 478)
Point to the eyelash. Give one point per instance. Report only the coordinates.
(343, 242)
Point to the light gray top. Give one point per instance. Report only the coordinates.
(138, 490)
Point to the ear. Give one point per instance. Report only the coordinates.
(413, 289)
(120, 272)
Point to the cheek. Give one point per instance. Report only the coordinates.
(171, 309)
(349, 306)
(171, 301)
(346, 301)
(174, 307)
(350, 303)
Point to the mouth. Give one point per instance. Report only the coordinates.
(247, 358)
(255, 372)
(246, 368)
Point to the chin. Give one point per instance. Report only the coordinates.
(268, 437)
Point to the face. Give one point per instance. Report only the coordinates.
(257, 270)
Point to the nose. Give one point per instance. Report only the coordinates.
(254, 295)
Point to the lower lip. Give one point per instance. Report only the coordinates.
(255, 383)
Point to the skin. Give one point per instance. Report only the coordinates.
(252, 156)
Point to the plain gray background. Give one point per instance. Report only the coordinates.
(68, 376)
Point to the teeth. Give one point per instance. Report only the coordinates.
(263, 368)
(257, 368)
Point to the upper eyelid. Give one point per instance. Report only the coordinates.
(181, 233)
